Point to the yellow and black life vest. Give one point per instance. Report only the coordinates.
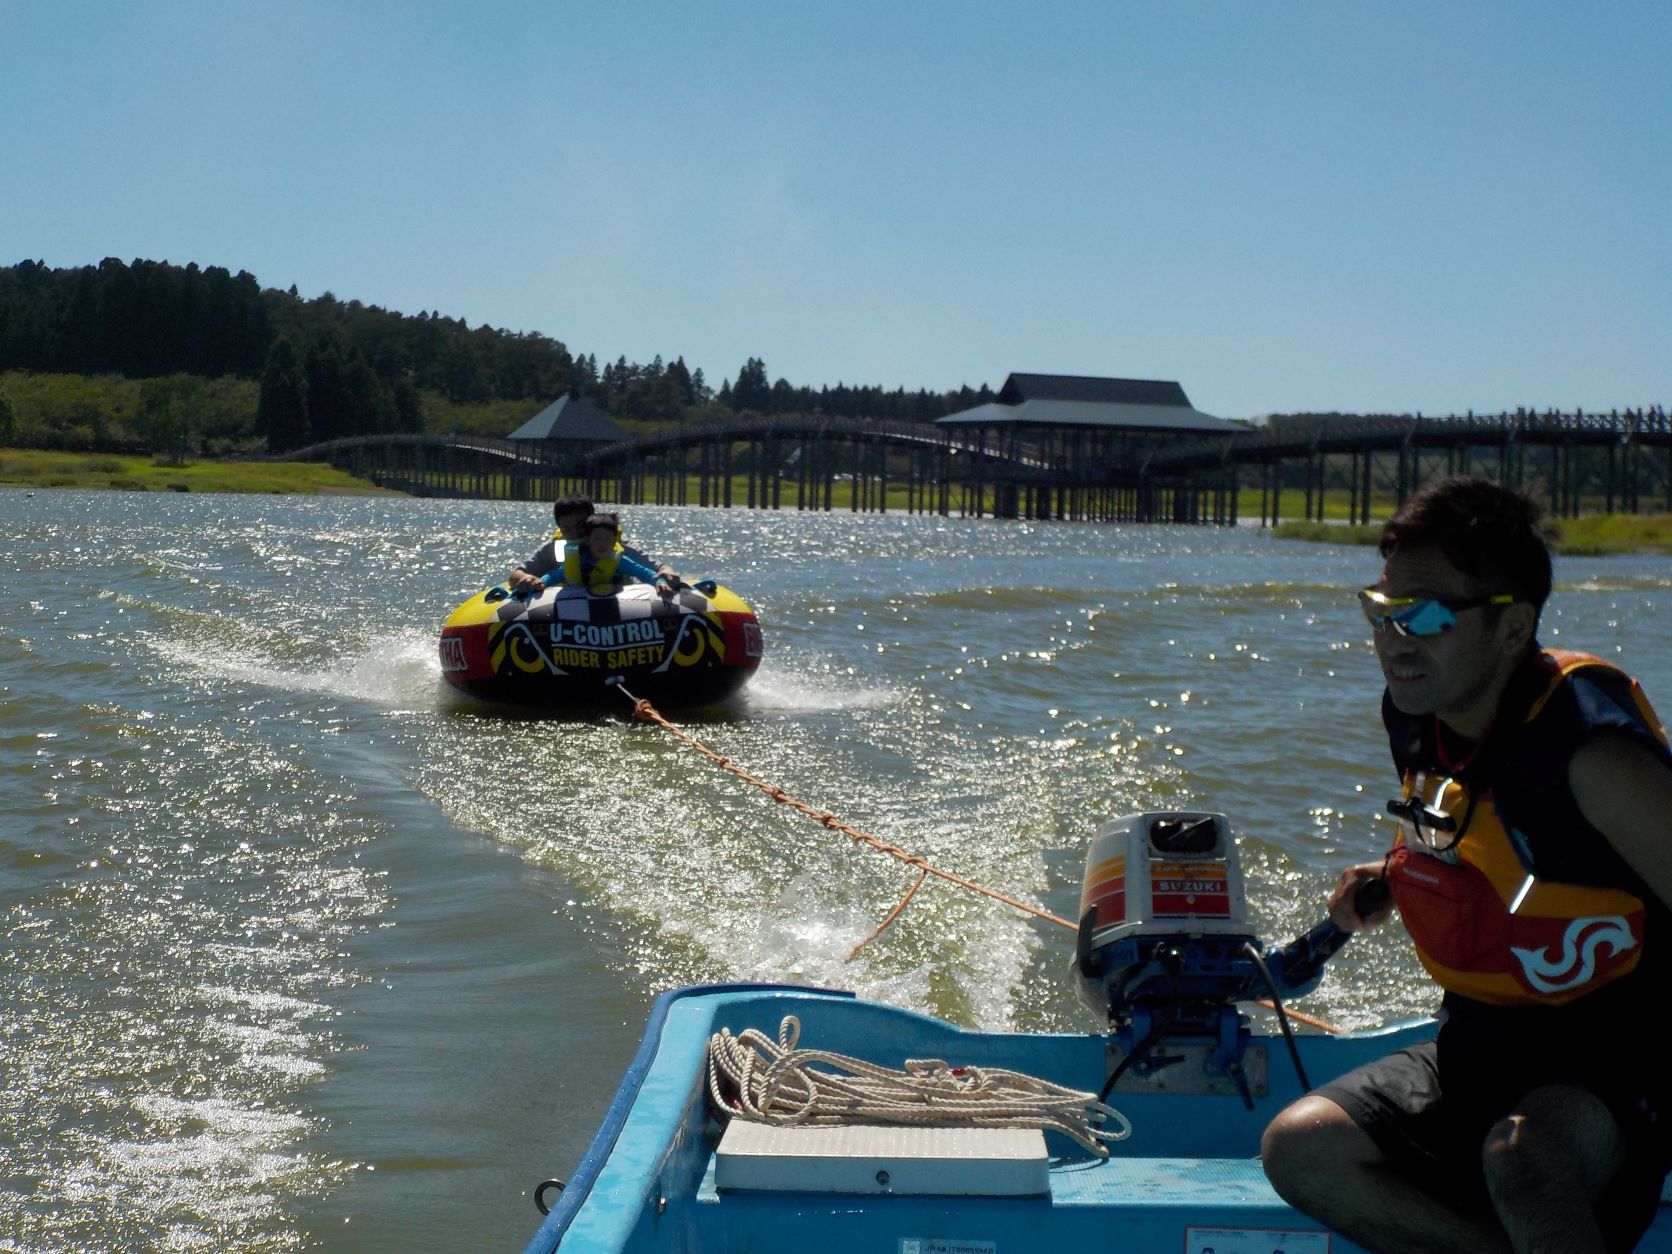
(598, 576)
(1485, 925)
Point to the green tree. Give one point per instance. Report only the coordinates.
(8, 421)
(652, 400)
(282, 412)
(409, 418)
(461, 375)
(681, 377)
(330, 410)
(752, 389)
(170, 416)
(371, 411)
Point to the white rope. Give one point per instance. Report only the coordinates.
(765, 1081)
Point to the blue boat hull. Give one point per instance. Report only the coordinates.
(1188, 1179)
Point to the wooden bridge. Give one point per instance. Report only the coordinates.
(758, 462)
(1571, 462)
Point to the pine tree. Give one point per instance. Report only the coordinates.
(282, 411)
(752, 390)
(370, 408)
(330, 415)
(683, 381)
(409, 418)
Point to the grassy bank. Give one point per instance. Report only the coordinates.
(1591, 535)
(37, 468)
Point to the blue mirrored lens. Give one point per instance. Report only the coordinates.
(1425, 618)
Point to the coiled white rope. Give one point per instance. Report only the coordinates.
(756, 1078)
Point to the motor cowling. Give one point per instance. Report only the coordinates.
(1163, 921)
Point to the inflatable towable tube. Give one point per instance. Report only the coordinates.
(562, 647)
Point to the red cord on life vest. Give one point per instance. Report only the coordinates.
(1462, 764)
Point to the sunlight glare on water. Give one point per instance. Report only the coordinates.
(303, 952)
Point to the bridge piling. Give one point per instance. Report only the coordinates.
(1617, 461)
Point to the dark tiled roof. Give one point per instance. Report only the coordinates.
(1074, 387)
(1065, 400)
(570, 417)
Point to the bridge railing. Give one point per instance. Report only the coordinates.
(777, 426)
(813, 426)
(514, 450)
(1294, 437)
(1028, 462)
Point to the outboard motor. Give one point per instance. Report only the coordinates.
(1163, 932)
(1165, 950)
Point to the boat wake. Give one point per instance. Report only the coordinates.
(777, 691)
(395, 672)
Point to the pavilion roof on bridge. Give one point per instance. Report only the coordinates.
(1066, 400)
(571, 417)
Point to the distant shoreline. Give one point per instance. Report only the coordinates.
(1592, 535)
(132, 472)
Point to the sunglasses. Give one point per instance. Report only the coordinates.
(1420, 616)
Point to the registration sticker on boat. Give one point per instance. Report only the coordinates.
(1255, 1241)
(946, 1245)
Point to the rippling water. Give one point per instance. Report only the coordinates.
(303, 954)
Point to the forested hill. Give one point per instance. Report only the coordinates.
(330, 367)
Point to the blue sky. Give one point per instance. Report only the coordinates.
(1284, 206)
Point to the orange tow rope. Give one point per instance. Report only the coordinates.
(643, 709)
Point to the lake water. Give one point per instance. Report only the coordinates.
(300, 953)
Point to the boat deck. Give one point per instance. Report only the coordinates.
(1140, 1198)
(1187, 1180)
(1216, 1202)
